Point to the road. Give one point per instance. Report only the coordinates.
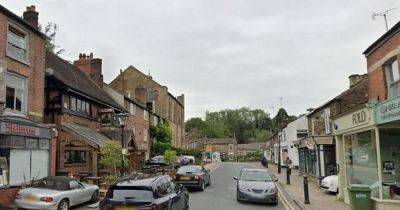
(221, 194)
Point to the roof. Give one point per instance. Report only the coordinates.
(252, 146)
(77, 80)
(218, 141)
(361, 87)
(116, 134)
(92, 136)
(21, 21)
(381, 40)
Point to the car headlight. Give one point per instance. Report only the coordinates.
(272, 191)
(244, 189)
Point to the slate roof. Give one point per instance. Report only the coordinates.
(77, 80)
(217, 141)
(91, 136)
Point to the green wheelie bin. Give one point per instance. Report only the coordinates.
(360, 197)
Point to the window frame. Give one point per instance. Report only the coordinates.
(145, 114)
(24, 101)
(145, 135)
(27, 39)
(393, 86)
(77, 152)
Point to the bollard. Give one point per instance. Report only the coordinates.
(306, 196)
(288, 172)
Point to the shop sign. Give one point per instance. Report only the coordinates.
(355, 119)
(18, 129)
(388, 111)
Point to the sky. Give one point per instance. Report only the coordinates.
(225, 54)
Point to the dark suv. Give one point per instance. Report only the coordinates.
(145, 193)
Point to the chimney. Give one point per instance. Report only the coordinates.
(181, 99)
(31, 16)
(355, 79)
(91, 67)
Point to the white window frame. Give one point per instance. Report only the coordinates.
(132, 109)
(24, 101)
(9, 54)
(393, 84)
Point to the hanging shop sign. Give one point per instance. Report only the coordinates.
(388, 111)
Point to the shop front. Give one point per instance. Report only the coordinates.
(24, 154)
(368, 147)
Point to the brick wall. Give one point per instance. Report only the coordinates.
(34, 72)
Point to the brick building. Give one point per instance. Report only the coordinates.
(77, 104)
(26, 145)
(134, 84)
(382, 147)
(227, 148)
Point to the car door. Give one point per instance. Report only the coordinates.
(76, 193)
(175, 194)
(163, 199)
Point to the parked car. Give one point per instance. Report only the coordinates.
(56, 192)
(330, 184)
(157, 160)
(145, 192)
(193, 176)
(256, 185)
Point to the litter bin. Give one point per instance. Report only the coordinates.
(360, 197)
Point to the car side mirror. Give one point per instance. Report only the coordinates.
(235, 178)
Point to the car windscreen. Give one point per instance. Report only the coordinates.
(133, 194)
(51, 184)
(189, 169)
(255, 176)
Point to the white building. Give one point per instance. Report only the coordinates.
(294, 131)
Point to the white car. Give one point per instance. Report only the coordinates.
(330, 184)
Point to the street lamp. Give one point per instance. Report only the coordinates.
(122, 117)
(279, 152)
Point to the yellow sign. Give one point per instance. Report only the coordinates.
(208, 148)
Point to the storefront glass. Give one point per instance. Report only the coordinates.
(360, 156)
(390, 157)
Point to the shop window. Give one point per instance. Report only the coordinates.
(17, 44)
(75, 156)
(360, 157)
(393, 78)
(390, 157)
(16, 92)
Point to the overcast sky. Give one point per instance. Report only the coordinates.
(225, 54)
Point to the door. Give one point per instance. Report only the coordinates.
(40, 164)
(20, 166)
(76, 193)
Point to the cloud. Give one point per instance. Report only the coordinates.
(225, 54)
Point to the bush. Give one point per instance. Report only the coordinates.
(170, 156)
(110, 179)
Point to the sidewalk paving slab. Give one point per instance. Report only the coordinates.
(319, 199)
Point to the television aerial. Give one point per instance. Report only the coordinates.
(383, 14)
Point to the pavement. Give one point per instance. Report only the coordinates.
(319, 199)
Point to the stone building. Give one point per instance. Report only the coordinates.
(135, 84)
(27, 150)
(226, 147)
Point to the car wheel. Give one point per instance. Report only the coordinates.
(95, 197)
(186, 203)
(202, 186)
(63, 205)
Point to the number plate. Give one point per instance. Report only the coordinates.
(30, 198)
(184, 178)
(124, 208)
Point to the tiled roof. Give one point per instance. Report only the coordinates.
(77, 80)
(90, 135)
(217, 141)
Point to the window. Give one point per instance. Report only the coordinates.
(75, 156)
(145, 135)
(132, 109)
(16, 92)
(390, 151)
(74, 185)
(393, 79)
(80, 105)
(230, 147)
(146, 115)
(17, 44)
(302, 134)
(106, 118)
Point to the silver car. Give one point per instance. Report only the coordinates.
(56, 192)
(256, 185)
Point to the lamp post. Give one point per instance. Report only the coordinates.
(279, 152)
(122, 117)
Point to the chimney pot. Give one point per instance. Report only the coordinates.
(31, 16)
(91, 55)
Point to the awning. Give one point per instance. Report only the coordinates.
(310, 141)
(90, 135)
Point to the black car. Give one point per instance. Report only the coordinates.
(193, 176)
(145, 192)
(256, 185)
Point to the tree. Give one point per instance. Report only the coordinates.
(170, 156)
(50, 30)
(162, 135)
(195, 122)
(110, 155)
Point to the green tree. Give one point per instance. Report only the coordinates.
(50, 30)
(110, 155)
(170, 156)
(195, 122)
(162, 135)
